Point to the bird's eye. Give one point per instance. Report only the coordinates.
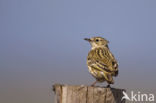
(97, 40)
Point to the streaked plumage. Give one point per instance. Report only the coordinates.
(101, 62)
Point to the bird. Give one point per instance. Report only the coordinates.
(101, 62)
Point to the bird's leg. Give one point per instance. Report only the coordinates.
(82, 86)
(94, 83)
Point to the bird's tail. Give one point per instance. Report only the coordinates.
(109, 78)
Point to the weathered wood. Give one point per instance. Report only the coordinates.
(87, 94)
(58, 93)
(70, 94)
(90, 94)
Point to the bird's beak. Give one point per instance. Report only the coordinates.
(87, 39)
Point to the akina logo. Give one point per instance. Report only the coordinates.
(138, 97)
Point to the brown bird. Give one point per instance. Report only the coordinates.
(101, 62)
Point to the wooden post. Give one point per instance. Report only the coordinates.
(87, 94)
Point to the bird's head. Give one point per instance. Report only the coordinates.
(97, 42)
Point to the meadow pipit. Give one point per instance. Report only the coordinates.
(101, 62)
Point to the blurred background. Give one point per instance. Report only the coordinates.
(41, 43)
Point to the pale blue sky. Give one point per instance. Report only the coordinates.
(41, 43)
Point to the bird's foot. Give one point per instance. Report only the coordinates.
(93, 84)
(81, 87)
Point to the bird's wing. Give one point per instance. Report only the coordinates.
(113, 60)
(102, 68)
(114, 63)
(103, 59)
